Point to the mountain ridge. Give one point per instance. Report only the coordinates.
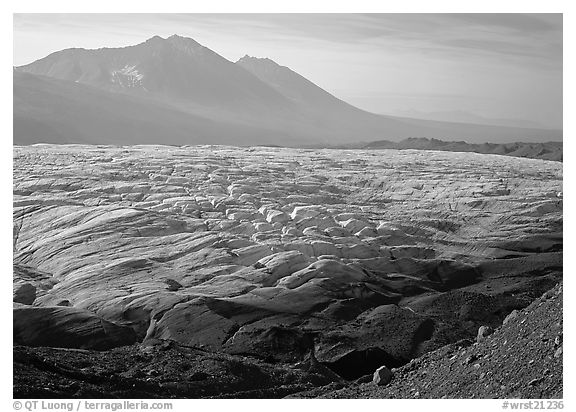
(540, 150)
(280, 105)
(159, 66)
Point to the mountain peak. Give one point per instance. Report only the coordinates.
(188, 45)
(175, 38)
(261, 61)
(155, 39)
(181, 43)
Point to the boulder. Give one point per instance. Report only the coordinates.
(483, 331)
(558, 353)
(172, 285)
(512, 315)
(382, 376)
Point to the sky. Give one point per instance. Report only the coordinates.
(499, 66)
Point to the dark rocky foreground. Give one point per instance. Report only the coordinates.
(264, 272)
(521, 359)
(161, 369)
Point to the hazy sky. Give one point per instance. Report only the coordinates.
(491, 65)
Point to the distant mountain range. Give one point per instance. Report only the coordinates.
(176, 91)
(545, 151)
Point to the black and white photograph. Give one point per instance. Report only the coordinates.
(287, 206)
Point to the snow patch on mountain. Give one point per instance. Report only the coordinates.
(128, 76)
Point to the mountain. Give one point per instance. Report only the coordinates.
(177, 91)
(50, 110)
(175, 67)
(292, 85)
(307, 94)
(545, 150)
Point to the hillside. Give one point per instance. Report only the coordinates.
(521, 359)
(49, 110)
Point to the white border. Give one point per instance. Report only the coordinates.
(300, 6)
